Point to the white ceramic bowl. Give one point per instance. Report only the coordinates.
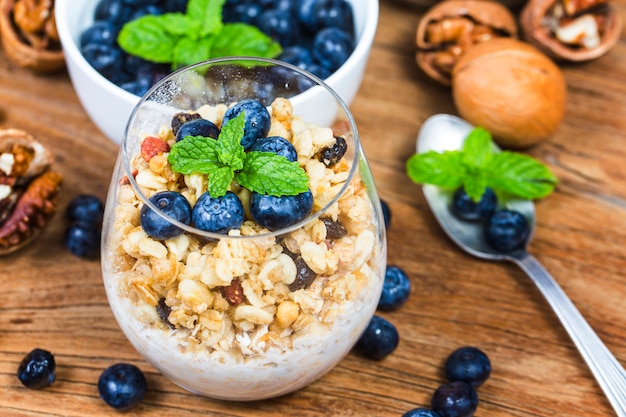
(109, 106)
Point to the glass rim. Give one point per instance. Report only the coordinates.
(127, 158)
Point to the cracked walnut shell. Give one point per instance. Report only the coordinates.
(28, 189)
(451, 27)
(29, 35)
(571, 30)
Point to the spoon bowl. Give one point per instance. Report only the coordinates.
(446, 132)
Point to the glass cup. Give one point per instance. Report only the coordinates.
(257, 311)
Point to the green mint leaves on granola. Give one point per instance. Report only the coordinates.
(479, 165)
(197, 35)
(224, 160)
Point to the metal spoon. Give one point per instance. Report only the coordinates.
(445, 132)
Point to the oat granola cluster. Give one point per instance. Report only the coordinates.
(241, 295)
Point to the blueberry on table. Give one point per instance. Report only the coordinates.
(421, 412)
(218, 214)
(122, 386)
(379, 339)
(87, 208)
(275, 213)
(396, 289)
(468, 364)
(465, 208)
(507, 230)
(257, 120)
(37, 369)
(198, 127)
(455, 399)
(83, 239)
(332, 47)
(277, 145)
(171, 204)
(386, 213)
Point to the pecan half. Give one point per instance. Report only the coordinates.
(451, 27)
(571, 30)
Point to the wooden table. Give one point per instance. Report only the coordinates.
(53, 300)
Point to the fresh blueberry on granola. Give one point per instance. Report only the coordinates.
(257, 120)
(198, 127)
(218, 214)
(171, 204)
(278, 145)
(276, 213)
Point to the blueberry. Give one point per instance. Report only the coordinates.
(218, 215)
(140, 3)
(507, 230)
(278, 25)
(333, 13)
(421, 412)
(298, 56)
(175, 6)
(278, 145)
(244, 11)
(114, 11)
(386, 213)
(83, 239)
(320, 71)
(87, 208)
(137, 87)
(37, 369)
(455, 399)
(198, 127)
(173, 205)
(103, 58)
(468, 364)
(465, 208)
(332, 47)
(122, 386)
(396, 289)
(147, 10)
(275, 213)
(101, 32)
(379, 339)
(257, 118)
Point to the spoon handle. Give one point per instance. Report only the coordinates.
(605, 367)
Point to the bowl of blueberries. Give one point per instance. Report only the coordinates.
(116, 50)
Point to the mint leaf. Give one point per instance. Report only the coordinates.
(208, 13)
(479, 165)
(239, 39)
(477, 150)
(148, 38)
(219, 180)
(520, 175)
(268, 173)
(229, 149)
(194, 154)
(442, 169)
(189, 51)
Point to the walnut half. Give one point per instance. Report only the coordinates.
(28, 189)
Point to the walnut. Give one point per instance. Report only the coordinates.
(28, 189)
(29, 34)
(571, 30)
(451, 27)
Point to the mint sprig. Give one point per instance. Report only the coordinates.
(479, 165)
(224, 160)
(199, 34)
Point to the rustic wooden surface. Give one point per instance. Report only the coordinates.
(53, 300)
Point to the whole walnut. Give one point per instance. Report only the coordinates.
(511, 89)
